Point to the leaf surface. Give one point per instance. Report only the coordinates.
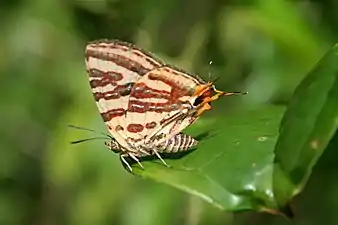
(232, 168)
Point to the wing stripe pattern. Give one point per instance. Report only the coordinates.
(109, 115)
(119, 60)
(144, 102)
(113, 69)
(116, 93)
(163, 96)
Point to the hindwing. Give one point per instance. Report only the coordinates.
(113, 68)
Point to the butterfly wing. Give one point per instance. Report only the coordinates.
(159, 105)
(113, 68)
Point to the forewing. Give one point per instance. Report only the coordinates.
(159, 103)
(113, 68)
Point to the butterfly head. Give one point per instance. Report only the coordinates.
(113, 145)
(207, 93)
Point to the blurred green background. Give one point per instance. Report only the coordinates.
(264, 47)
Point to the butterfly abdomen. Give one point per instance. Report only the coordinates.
(178, 143)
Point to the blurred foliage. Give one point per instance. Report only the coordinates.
(308, 125)
(264, 47)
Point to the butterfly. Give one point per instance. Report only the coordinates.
(145, 102)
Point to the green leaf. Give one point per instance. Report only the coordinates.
(232, 169)
(307, 127)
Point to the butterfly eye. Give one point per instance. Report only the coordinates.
(200, 98)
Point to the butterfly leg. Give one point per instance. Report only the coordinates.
(122, 156)
(158, 156)
(136, 159)
(125, 161)
(202, 109)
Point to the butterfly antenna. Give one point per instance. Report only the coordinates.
(209, 72)
(225, 93)
(209, 75)
(236, 93)
(88, 139)
(87, 129)
(215, 80)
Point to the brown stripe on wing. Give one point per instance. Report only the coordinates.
(178, 86)
(119, 60)
(119, 91)
(138, 106)
(115, 76)
(141, 91)
(150, 58)
(108, 79)
(109, 115)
